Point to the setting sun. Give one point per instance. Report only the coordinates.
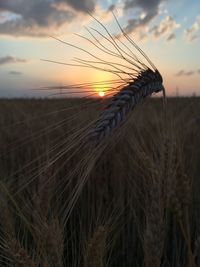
(101, 94)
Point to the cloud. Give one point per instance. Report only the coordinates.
(111, 8)
(134, 24)
(81, 5)
(149, 9)
(3, 17)
(185, 73)
(15, 73)
(165, 28)
(39, 18)
(144, 4)
(198, 71)
(171, 37)
(193, 32)
(11, 60)
(106, 15)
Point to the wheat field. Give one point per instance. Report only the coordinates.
(133, 201)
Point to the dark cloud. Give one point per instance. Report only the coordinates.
(111, 8)
(171, 37)
(149, 9)
(185, 73)
(81, 5)
(144, 4)
(134, 24)
(165, 27)
(15, 73)
(11, 60)
(39, 17)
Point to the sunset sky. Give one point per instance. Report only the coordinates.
(168, 31)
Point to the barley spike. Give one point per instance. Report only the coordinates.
(146, 83)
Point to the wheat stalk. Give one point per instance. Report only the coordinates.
(154, 235)
(96, 248)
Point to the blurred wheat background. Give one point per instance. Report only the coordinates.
(140, 203)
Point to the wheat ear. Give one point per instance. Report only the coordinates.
(19, 255)
(124, 101)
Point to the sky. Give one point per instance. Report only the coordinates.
(168, 31)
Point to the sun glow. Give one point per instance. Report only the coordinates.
(101, 94)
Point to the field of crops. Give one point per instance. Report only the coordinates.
(132, 201)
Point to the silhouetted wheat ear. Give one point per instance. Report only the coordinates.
(137, 76)
(122, 103)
